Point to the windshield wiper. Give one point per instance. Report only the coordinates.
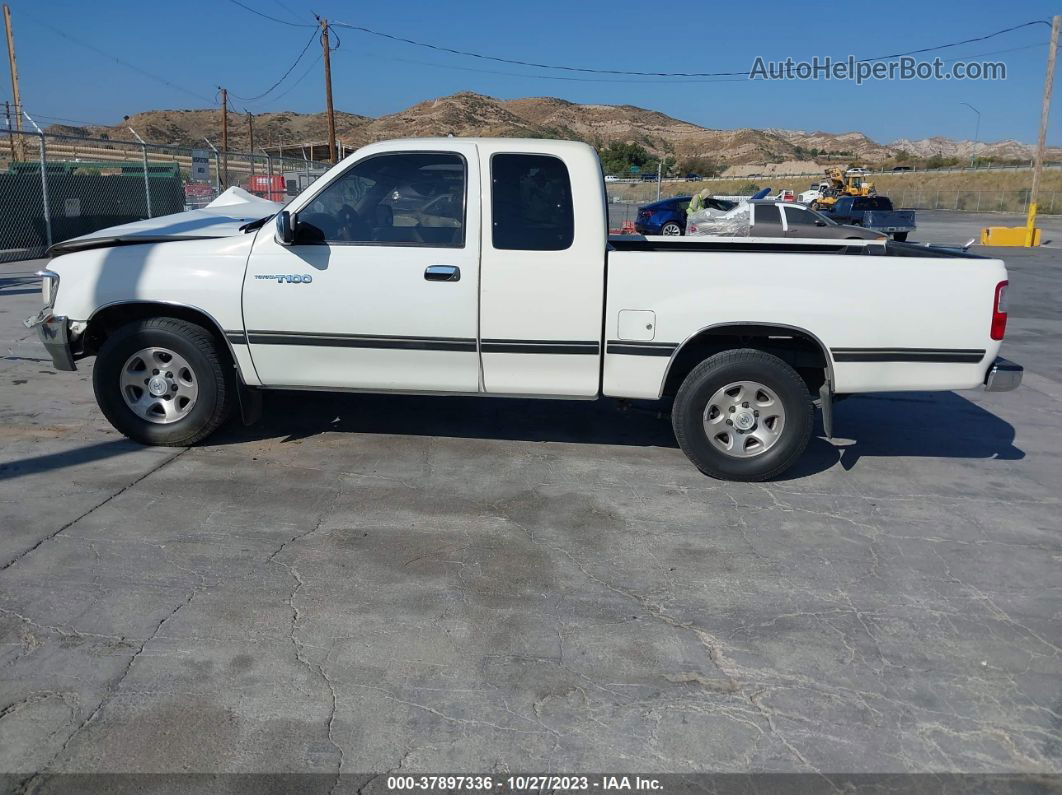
(252, 226)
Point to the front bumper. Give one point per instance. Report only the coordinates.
(1003, 376)
(54, 334)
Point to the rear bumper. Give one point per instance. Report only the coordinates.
(1003, 376)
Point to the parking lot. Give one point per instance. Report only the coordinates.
(372, 583)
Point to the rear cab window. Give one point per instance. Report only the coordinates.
(531, 203)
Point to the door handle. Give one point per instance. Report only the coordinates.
(442, 273)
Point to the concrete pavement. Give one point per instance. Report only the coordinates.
(367, 584)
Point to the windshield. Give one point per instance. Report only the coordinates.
(821, 217)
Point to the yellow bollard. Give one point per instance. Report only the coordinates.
(1030, 227)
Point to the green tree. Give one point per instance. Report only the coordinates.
(618, 157)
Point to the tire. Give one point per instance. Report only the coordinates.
(171, 356)
(674, 227)
(900, 236)
(694, 415)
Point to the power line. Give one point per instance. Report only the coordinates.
(646, 81)
(305, 74)
(115, 58)
(533, 64)
(274, 19)
(286, 7)
(290, 69)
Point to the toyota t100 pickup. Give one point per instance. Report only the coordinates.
(458, 266)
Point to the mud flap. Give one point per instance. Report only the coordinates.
(250, 404)
(826, 402)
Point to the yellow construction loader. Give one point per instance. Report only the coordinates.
(839, 182)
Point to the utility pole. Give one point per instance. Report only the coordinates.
(250, 131)
(225, 137)
(20, 146)
(1030, 222)
(328, 92)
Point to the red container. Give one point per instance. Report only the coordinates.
(267, 187)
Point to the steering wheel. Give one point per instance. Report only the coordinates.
(352, 224)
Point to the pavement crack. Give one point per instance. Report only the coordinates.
(61, 631)
(30, 783)
(296, 615)
(95, 507)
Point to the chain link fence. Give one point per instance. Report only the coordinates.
(54, 187)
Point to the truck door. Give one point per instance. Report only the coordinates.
(380, 289)
(543, 267)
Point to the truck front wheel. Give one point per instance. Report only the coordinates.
(163, 381)
(743, 415)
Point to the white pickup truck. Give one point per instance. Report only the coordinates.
(483, 266)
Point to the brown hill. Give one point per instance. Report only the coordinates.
(467, 113)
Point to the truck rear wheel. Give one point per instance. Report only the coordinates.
(163, 381)
(900, 236)
(743, 415)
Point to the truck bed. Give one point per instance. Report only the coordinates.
(891, 316)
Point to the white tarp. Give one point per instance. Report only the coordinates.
(735, 223)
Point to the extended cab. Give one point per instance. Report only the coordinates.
(483, 267)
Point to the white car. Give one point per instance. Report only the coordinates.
(519, 293)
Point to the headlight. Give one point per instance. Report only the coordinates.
(49, 286)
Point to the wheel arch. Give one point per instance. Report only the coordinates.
(793, 344)
(109, 317)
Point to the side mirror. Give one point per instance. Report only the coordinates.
(285, 228)
(819, 222)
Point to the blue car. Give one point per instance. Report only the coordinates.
(668, 216)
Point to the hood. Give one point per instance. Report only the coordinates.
(223, 217)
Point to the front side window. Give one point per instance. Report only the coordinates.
(531, 203)
(408, 198)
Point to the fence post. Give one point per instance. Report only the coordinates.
(44, 182)
(147, 182)
(979, 200)
(217, 166)
(956, 199)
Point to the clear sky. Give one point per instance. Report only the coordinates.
(201, 44)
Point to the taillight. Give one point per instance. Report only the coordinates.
(999, 312)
